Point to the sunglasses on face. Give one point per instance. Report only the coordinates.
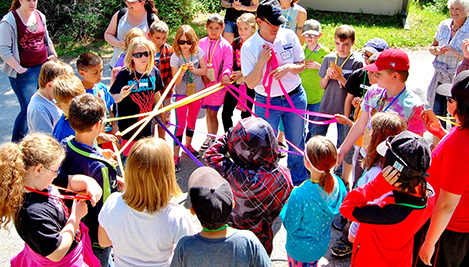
(141, 54)
(182, 42)
(450, 99)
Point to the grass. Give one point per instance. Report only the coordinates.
(423, 22)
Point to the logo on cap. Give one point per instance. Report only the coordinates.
(392, 64)
(276, 10)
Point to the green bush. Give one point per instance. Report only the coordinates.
(435, 5)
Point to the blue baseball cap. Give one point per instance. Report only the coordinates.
(376, 45)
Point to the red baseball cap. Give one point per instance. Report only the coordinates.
(393, 58)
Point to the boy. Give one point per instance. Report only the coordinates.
(86, 116)
(334, 71)
(218, 244)
(402, 202)
(314, 56)
(64, 89)
(158, 34)
(43, 113)
(392, 70)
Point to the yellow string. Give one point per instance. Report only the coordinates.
(448, 119)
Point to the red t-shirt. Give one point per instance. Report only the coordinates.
(32, 48)
(449, 171)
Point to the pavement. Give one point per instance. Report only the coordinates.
(421, 71)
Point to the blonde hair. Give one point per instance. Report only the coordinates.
(35, 149)
(322, 154)
(150, 176)
(249, 19)
(190, 35)
(51, 70)
(66, 87)
(131, 34)
(148, 45)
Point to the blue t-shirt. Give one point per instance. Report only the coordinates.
(100, 90)
(62, 129)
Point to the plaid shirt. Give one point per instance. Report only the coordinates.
(164, 66)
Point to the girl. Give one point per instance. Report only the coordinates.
(219, 58)
(188, 55)
(137, 87)
(313, 205)
(52, 234)
(150, 221)
(246, 27)
(131, 34)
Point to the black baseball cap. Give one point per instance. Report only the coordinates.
(271, 11)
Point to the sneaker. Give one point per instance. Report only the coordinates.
(193, 151)
(282, 146)
(208, 143)
(339, 222)
(176, 164)
(342, 249)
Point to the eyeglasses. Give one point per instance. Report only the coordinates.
(141, 54)
(55, 172)
(450, 99)
(182, 42)
(310, 36)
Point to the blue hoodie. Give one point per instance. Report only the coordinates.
(307, 218)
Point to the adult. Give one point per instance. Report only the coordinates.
(447, 49)
(25, 45)
(234, 9)
(296, 16)
(449, 224)
(138, 14)
(258, 64)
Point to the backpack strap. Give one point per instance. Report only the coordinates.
(151, 17)
(121, 13)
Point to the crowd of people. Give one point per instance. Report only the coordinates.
(76, 200)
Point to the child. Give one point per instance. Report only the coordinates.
(217, 244)
(64, 89)
(90, 68)
(383, 125)
(131, 34)
(260, 184)
(158, 34)
(403, 202)
(219, 58)
(312, 206)
(188, 56)
(314, 56)
(86, 118)
(391, 95)
(246, 25)
(137, 88)
(153, 222)
(334, 71)
(53, 235)
(43, 113)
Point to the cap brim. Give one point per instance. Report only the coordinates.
(370, 49)
(277, 21)
(444, 89)
(382, 148)
(311, 32)
(372, 67)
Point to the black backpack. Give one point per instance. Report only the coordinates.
(151, 17)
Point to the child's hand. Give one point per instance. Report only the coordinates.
(184, 68)
(108, 154)
(391, 175)
(120, 183)
(105, 137)
(356, 101)
(311, 64)
(125, 91)
(115, 71)
(190, 66)
(79, 209)
(333, 74)
(205, 79)
(432, 123)
(225, 79)
(341, 119)
(236, 75)
(265, 55)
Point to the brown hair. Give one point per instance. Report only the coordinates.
(51, 70)
(461, 95)
(66, 87)
(150, 176)
(131, 34)
(343, 32)
(148, 45)
(88, 59)
(322, 154)
(85, 111)
(15, 5)
(33, 150)
(215, 18)
(403, 74)
(190, 34)
(159, 26)
(150, 6)
(383, 125)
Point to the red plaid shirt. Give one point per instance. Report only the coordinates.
(165, 67)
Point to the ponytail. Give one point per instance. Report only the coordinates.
(326, 182)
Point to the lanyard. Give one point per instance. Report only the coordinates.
(313, 51)
(364, 85)
(381, 100)
(138, 80)
(345, 61)
(287, 17)
(77, 196)
(213, 51)
(190, 76)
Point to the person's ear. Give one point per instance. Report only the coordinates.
(37, 169)
(49, 85)
(81, 72)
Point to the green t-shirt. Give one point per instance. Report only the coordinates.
(310, 78)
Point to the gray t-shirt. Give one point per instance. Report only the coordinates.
(333, 100)
(177, 61)
(240, 249)
(42, 114)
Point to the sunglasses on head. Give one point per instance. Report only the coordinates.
(140, 54)
(450, 99)
(182, 42)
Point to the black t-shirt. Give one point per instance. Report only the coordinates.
(233, 14)
(140, 100)
(355, 83)
(40, 221)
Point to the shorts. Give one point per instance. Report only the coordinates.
(214, 108)
(230, 26)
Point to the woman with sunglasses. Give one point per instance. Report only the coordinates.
(137, 87)
(138, 14)
(447, 237)
(190, 57)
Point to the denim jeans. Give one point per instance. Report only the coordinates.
(24, 86)
(294, 129)
(313, 108)
(104, 256)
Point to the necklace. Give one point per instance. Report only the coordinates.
(218, 229)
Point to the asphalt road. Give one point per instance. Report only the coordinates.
(421, 72)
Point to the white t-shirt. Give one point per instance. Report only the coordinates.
(287, 48)
(141, 238)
